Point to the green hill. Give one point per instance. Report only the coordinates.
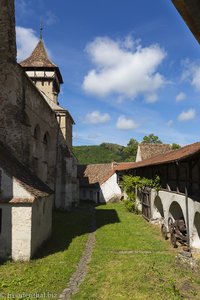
(107, 152)
(104, 153)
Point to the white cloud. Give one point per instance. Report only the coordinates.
(169, 123)
(192, 73)
(180, 97)
(152, 98)
(124, 123)
(96, 117)
(196, 78)
(187, 115)
(124, 68)
(26, 42)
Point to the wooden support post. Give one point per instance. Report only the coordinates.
(177, 177)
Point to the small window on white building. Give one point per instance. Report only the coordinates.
(0, 220)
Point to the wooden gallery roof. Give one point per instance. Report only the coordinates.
(169, 157)
(190, 12)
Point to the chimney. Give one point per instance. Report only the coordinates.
(8, 50)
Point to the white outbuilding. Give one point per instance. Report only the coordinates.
(25, 209)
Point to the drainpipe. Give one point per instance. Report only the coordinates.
(57, 143)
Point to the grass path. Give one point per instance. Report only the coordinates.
(131, 261)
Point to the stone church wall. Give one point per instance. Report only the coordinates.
(28, 126)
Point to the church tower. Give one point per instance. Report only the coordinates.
(43, 72)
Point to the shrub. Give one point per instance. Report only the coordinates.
(131, 206)
(132, 183)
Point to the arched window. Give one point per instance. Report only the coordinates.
(46, 144)
(37, 132)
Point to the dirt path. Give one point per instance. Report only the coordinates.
(81, 271)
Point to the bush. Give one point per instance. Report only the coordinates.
(131, 206)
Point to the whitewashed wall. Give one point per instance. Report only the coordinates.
(21, 232)
(168, 199)
(24, 227)
(41, 222)
(110, 189)
(107, 191)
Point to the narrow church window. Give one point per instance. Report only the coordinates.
(0, 219)
(37, 132)
(45, 140)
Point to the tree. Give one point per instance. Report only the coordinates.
(130, 152)
(175, 146)
(151, 139)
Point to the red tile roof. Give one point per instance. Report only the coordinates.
(171, 156)
(149, 150)
(94, 174)
(99, 173)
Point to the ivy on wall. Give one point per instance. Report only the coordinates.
(131, 183)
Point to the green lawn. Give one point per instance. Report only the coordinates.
(51, 270)
(130, 261)
(135, 274)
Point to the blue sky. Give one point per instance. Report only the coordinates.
(130, 68)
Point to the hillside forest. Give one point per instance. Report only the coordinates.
(108, 152)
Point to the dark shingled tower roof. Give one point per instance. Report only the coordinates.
(39, 60)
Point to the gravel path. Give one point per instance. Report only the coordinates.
(82, 268)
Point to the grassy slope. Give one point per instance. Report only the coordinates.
(60, 257)
(134, 276)
(96, 154)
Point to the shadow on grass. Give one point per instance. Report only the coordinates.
(68, 225)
